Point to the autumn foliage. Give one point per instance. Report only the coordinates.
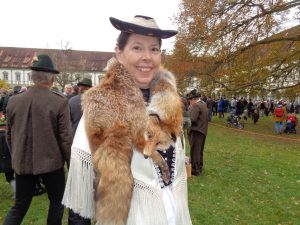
(238, 46)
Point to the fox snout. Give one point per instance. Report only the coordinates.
(148, 150)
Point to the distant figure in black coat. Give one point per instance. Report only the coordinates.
(75, 103)
(255, 116)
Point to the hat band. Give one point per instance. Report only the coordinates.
(150, 23)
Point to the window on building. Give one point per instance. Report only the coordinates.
(5, 75)
(18, 76)
(29, 76)
(100, 76)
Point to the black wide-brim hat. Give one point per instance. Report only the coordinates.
(43, 63)
(85, 82)
(143, 25)
(193, 94)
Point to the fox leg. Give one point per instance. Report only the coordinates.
(159, 160)
(114, 190)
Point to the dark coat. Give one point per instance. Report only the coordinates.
(39, 132)
(210, 103)
(5, 159)
(199, 117)
(76, 111)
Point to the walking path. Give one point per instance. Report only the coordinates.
(255, 133)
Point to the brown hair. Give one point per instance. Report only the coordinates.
(123, 38)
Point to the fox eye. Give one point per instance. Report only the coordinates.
(158, 143)
(173, 137)
(150, 135)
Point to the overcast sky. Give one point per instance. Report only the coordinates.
(83, 23)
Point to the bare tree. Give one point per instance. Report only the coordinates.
(70, 73)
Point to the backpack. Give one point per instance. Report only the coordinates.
(279, 112)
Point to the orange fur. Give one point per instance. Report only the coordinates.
(167, 103)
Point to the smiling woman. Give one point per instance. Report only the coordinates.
(134, 112)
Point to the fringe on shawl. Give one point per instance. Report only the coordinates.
(79, 192)
(179, 189)
(181, 195)
(146, 207)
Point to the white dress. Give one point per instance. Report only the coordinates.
(150, 204)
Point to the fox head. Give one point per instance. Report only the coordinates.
(157, 137)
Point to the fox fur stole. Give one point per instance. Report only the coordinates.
(116, 121)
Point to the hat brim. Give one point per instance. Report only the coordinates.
(44, 69)
(192, 97)
(83, 84)
(136, 29)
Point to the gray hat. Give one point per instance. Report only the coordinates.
(85, 82)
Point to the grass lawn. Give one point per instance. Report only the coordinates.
(251, 177)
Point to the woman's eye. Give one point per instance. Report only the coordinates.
(137, 48)
(155, 50)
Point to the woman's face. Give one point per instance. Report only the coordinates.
(141, 56)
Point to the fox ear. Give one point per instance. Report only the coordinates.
(174, 138)
(154, 118)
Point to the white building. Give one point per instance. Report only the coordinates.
(15, 62)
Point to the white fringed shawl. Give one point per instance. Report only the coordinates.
(79, 191)
(150, 205)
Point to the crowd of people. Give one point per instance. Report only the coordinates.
(238, 106)
(284, 112)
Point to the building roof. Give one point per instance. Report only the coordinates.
(74, 60)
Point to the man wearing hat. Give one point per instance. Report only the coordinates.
(75, 102)
(39, 138)
(199, 123)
